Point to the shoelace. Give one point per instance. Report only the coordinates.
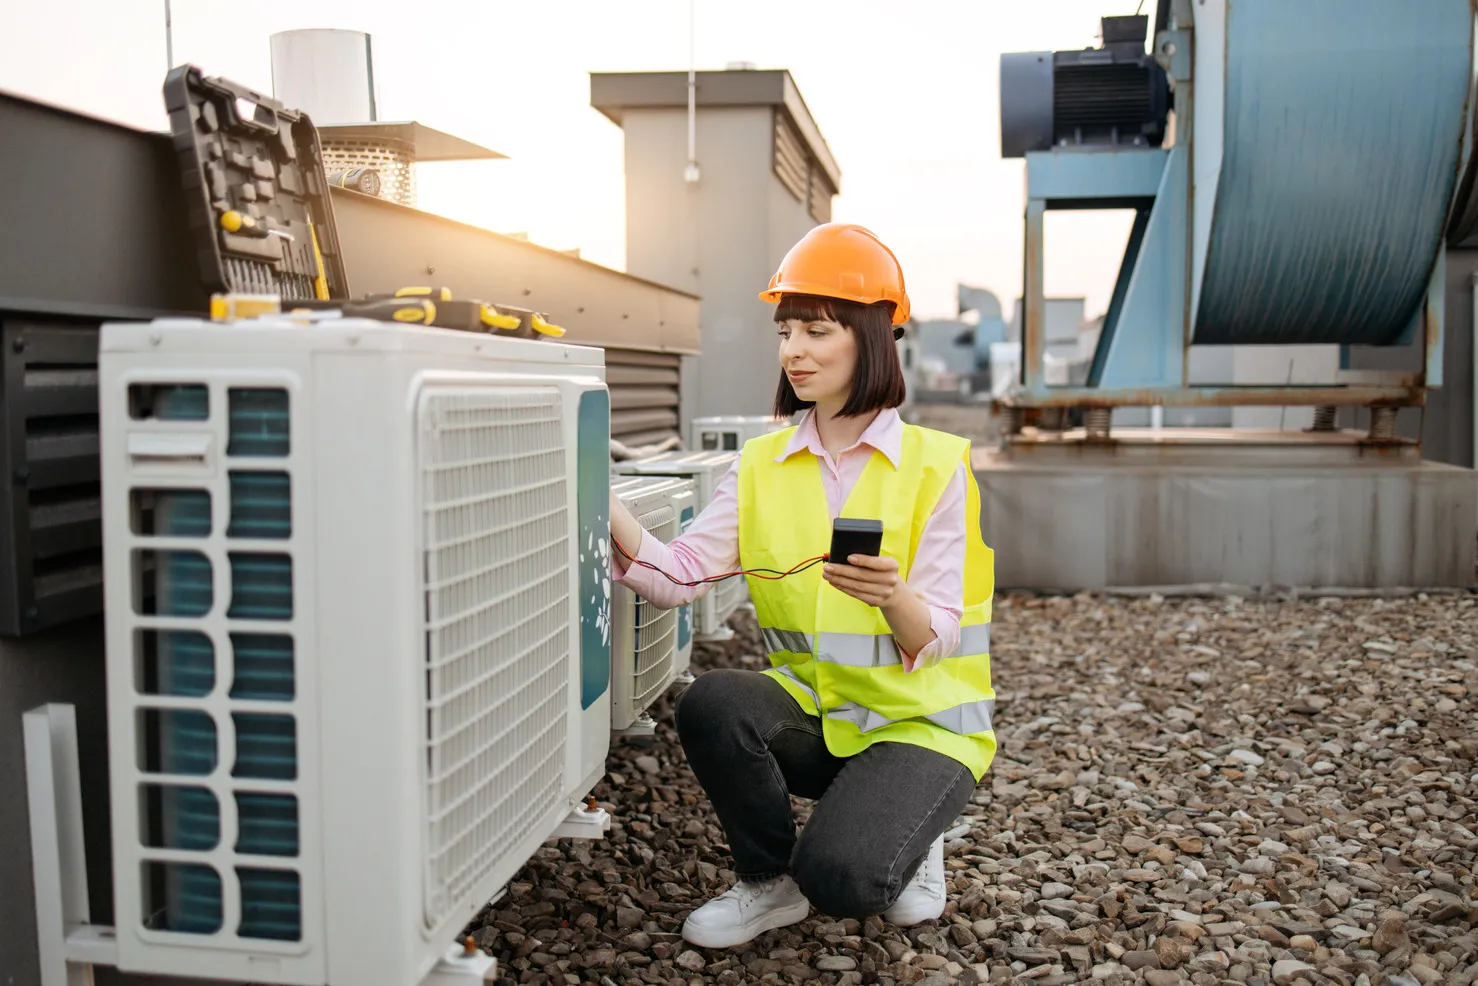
(748, 893)
(921, 879)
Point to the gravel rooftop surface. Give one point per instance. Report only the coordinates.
(1210, 791)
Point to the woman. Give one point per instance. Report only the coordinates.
(878, 701)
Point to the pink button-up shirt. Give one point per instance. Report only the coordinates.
(710, 546)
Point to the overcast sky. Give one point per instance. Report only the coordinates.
(904, 93)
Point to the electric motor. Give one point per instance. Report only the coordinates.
(1116, 95)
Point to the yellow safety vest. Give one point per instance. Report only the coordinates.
(834, 654)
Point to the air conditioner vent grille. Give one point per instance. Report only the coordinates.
(656, 629)
(497, 644)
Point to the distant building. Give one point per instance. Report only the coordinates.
(1064, 316)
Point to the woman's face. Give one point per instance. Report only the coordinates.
(820, 358)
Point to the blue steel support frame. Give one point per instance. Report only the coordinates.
(1088, 179)
(1116, 303)
(1143, 351)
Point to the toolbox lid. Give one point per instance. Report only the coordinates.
(255, 190)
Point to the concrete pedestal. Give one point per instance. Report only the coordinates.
(1220, 506)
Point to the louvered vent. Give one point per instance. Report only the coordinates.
(644, 395)
(820, 197)
(791, 159)
(644, 638)
(50, 507)
(656, 629)
(728, 595)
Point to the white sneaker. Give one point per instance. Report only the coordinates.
(745, 911)
(923, 898)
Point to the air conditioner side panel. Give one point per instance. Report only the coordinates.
(371, 669)
(589, 414)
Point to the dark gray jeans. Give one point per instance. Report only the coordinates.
(876, 814)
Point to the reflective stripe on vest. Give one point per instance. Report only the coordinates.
(786, 640)
(864, 650)
(971, 717)
(795, 680)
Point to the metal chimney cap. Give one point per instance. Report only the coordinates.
(423, 143)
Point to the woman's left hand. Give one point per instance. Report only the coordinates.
(873, 579)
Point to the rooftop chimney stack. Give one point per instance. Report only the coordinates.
(329, 74)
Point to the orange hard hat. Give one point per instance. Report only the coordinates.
(839, 260)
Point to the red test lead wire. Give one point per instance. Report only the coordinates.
(769, 574)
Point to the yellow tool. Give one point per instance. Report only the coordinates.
(425, 313)
(232, 306)
(494, 319)
(234, 222)
(545, 328)
(438, 294)
(418, 311)
(320, 282)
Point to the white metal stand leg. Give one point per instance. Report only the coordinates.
(69, 946)
(589, 821)
(462, 966)
(642, 727)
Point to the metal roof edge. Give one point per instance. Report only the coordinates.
(428, 143)
(611, 93)
(522, 244)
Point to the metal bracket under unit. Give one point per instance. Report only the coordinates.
(588, 822)
(70, 946)
(642, 727)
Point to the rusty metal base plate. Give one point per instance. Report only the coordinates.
(1262, 448)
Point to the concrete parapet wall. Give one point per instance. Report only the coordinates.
(1199, 517)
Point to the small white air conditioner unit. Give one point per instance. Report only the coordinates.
(728, 433)
(358, 635)
(706, 470)
(650, 647)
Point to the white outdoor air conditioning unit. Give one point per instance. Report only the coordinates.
(358, 645)
(728, 433)
(647, 643)
(706, 470)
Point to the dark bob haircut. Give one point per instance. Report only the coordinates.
(878, 381)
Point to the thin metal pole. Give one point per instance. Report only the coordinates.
(691, 173)
(168, 38)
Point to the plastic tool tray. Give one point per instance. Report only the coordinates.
(256, 191)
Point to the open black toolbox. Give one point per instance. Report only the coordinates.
(256, 191)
